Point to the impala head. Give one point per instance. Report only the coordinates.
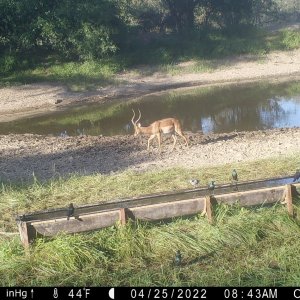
(136, 125)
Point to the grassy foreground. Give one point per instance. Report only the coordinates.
(243, 247)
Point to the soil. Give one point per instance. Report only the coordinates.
(46, 157)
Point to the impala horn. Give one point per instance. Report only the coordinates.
(132, 120)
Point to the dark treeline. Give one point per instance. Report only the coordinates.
(92, 29)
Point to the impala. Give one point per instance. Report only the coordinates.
(165, 126)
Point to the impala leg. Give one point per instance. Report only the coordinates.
(150, 138)
(159, 141)
(175, 140)
(186, 141)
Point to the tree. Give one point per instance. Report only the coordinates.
(147, 15)
(182, 14)
(231, 13)
(74, 28)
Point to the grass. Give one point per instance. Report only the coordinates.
(18, 199)
(244, 247)
(167, 54)
(290, 39)
(77, 76)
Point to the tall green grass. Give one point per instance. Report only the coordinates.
(244, 247)
(77, 76)
(290, 39)
(18, 199)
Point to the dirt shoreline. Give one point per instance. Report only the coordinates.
(22, 155)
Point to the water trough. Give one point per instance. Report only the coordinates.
(155, 207)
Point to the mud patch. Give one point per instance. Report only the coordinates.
(46, 157)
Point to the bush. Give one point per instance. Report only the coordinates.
(291, 39)
(7, 63)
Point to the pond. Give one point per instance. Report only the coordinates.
(227, 108)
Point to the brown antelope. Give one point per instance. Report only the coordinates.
(166, 126)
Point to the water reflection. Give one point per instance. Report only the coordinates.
(242, 116)
(223, 109)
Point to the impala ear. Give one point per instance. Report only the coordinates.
(138, 124)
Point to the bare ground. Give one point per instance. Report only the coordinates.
(46, 157)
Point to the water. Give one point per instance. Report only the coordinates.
(212, 109)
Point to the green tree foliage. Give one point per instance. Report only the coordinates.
(92, 29)
(147, 15)
(182, 16)
(231, 13)
(74, 28)
(182, 13)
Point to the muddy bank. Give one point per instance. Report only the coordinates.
(47, 157)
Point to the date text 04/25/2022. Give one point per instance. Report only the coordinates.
(216, 293)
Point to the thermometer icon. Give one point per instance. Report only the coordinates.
(55, 294)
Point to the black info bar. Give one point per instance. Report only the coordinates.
(216, 293)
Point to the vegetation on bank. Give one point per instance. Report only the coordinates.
(262, 242)
(203, 49)
(85, 49)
